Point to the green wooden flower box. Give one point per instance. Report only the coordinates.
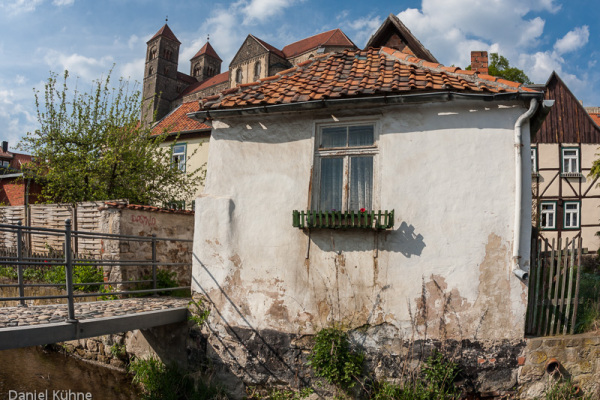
(376, 220)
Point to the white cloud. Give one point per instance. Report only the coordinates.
(20, 80)
(573, 40)
(61, 3)
(360, 30)
(134, 70)
(84, 67)
(133, 40)
(262, 10)
(14, 7)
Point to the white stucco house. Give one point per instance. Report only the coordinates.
(443, 153)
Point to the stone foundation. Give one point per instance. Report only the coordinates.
(578, 357)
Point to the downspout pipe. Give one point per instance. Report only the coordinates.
(524, 118)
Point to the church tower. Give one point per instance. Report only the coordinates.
(160, 75)
(205, 64)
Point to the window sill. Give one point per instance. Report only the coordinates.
(571, 174)
(369, 220)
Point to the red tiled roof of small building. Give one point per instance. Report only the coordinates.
(208, 50)
(334, 37)
(358, 73)
(595, 118)
(178, 121)
(166, 32)
(214, 80)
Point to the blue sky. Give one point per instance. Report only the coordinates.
(87, 37)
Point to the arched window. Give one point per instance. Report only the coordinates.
(150, 70)
(196, 70)
(238, 75)
(166, 71)
(168, 54)
(257, 71)
(152, 54)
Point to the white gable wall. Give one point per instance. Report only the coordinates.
(445, 270)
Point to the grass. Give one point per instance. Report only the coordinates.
(588, 315)
(82, 273)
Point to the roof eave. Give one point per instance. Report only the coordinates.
(445, 96)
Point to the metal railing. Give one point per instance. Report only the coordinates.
(22, 259)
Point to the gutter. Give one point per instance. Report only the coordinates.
(520, 271)
(11, 175)
(203, 116)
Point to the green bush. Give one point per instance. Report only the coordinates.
(169, 382)
(435, 382)
(81, 274)
(333, 359)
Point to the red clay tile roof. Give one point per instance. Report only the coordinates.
(215, 80)
(358, 73)
(334, 37)
(595, 118)
(267, 46)
(177, 120)
(166, 32)
(121, 205)
(208, 50)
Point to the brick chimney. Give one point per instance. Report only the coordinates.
(5, 146)
(479, 62)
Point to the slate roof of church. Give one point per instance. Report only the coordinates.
(358, 73)
(334, 37)
(213, 80)
(166, 32)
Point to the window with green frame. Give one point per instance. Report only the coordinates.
(570, 160)
(571, 214)
(548, 215)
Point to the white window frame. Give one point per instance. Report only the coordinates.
(346, 153)
(534, 159)
(179, 157)
(572, 164)
(568, 214)
(4, 163)
(545, 213)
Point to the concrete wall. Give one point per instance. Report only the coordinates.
(443, 272)
(140, 222)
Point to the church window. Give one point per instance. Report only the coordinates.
(166, 71)
(257, 71)
(238, 75)
(196, 70)
(168, 54)
(150, 70)
(152, 54)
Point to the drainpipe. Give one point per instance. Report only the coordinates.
(517, 270)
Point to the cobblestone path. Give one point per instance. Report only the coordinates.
(34, 315)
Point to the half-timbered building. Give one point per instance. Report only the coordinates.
(566, 199)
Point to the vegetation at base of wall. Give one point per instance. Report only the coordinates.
(198, 312)
(566, 390)
(119, 351)
(169, 382)
(164, 279)
(278, 394)
(588, 315)
(435, 382)
(334, 359)
(82, 273)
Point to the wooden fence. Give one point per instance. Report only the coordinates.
(553, 287)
